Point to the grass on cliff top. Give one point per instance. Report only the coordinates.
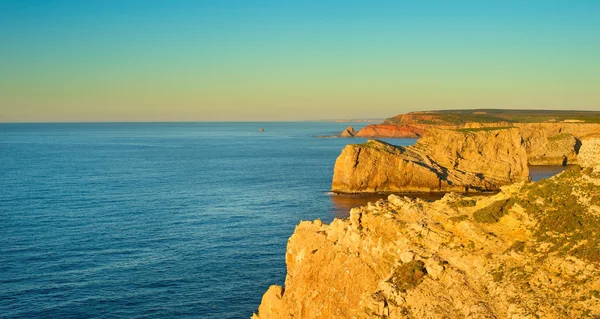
(408, 275)
(493, 213)
(559, 137)
(562, 219)
(458, 117)
(483, 129)
(381, 146)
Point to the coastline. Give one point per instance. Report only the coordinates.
(463, 255)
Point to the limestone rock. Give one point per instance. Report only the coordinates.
(530, 251)
(442, 160)
(395, 131)
(348, 132)
(589, 153)
(548, 139)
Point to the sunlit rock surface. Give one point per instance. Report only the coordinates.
(442, 160)
(531, 251)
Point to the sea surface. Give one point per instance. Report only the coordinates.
(157, 220)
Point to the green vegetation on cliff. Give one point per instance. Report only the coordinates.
(460, 117)
(558, 205)
(483, 129)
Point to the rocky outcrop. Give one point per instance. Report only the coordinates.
(441, 161)
(530, 251)
(348, 132)
(550, 137)
(589, 153)
(554, 143)
(393, 131)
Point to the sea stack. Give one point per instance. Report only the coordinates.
(348, 132)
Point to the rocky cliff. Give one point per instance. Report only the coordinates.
(589, 153)
(442, 160)
(530, 251)
(550, 137)
(393, 131)
(552, 143)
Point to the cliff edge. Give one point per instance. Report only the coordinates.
(441, 161)
(530, 251)
(550, 137)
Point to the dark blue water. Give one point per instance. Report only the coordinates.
(186, 220)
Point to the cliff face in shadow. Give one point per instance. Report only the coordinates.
(442, 160)
(530, 251)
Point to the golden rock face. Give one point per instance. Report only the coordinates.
(589, 153)
(538, 257)
(546, 143)
(441, 161)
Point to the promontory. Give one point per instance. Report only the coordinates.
(465, 160)
(530, 251)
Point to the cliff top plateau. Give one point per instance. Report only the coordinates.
(461, 117)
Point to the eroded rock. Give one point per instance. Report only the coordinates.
(589, 153)
(407, 258)
(442, 160)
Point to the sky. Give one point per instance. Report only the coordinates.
(225, 60)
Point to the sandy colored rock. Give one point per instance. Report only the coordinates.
(550, 138)
(442, 160)
(551, 143)
(530, 251)
(348, 132)
(589, 153)
(394, 131)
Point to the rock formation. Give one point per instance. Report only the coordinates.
(550, 137)
(348, 132)
(442, 160)
(550, 143)
(589, 153)
(394, 131)
(530, 251)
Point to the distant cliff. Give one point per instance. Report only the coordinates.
(530, 251)
(550, 137)
(441, 161)
(394, 131)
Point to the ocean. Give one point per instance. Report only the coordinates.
(156, 220)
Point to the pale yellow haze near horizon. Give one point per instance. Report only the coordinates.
(245, 97)
(271, 89)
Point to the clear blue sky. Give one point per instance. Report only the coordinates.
(292, 60)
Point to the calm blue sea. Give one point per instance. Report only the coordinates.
(156, 220)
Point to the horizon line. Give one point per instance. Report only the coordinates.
(216, 121)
